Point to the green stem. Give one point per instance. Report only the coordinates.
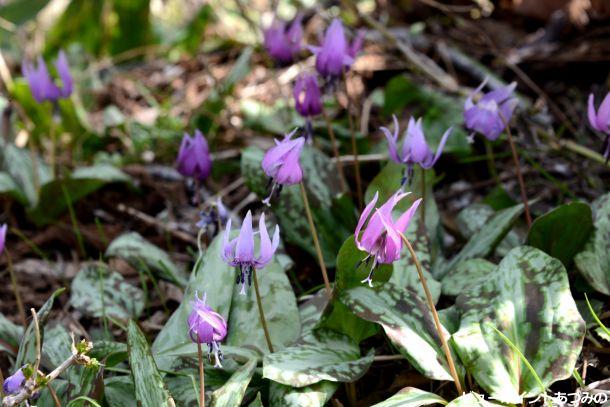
(316, 242)
(335, 147)
(437, 322)
(15, 287)
(354, 145)
(261, 312)
(201, 374)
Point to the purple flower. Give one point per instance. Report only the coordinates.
(194, 158)
(207, 326)
(2, 237)
(415, 149)
(41, 83)
(283, 41)
(217, 214)
(492, 110)
(381, 237)
(13, 384)
(239, 252)
(600, 121)
(335, 54)
(281, 163)
(307, 97)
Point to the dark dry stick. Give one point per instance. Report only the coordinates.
(354, 146)
(261, 312)
(201, 377)
(333, 141)
(15, 286)
(437, 322)
(316, 242)
(528, 216)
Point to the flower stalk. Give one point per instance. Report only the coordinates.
(354, 145)
(261, 311)
(437, 322)
(513, 148)
(316, 241)
(333, 141)
(201, 374)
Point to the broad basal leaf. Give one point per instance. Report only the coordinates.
(142, 254)
(232, 393)
(10, 335)
(150, 390)
(119, 391)
(279, 304)
(472, 400)
(483, 242)
(211, 275)
(527, 298)
(27, 347)
(8, 187)
(324, 356)
(316, 395)
(411, 397)
(407, 321)
(323, 187)
(97, 291)
(465, 275)
(563, 231)
(594, 261)
(56, 194)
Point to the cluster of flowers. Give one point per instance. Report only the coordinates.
(484, 113)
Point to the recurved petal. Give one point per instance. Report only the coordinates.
(403, 221)
(363, 217)
(2, 237)
(244, 249)
(603, 115)
(430, 163)
(63, 70)
(592, 114)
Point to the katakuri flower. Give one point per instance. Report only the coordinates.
(415, 149)
(207, 326)
(194, 158)
(42, 85)
(281, 163)
(216, 214)
(239, 252)
(381, 237)
(2, 237)
(600, 121)
(492, 111)
(335, 54)
(13, 384)
(307, 100)
(283, 40)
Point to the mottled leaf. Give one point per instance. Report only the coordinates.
(563, 231)
(472, 400)
(257, 402)
(411, 397)
(325, 355)
(211, 275)
(594, 260)
(27, 347)
(142, 254)
(232, 393)
(119, 391)
(483, 242)
(323, 187)
(527, 298)
(9, 188)
(465, 275)
(10, 335)
(316, 395)
(150, 390)
(279, 304)
(407, 321)
(98, 291)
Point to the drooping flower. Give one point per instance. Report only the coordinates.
(381, 237)
(194, 158)
(281, 163)
(239, 252)
(217, 214)
(307, 96)
(600, 121)
(42, 85)
(415, 149)
(207, 326)
(491, 113)
(14, 383)
(335, 53)
(282, 40)
(2, 237)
